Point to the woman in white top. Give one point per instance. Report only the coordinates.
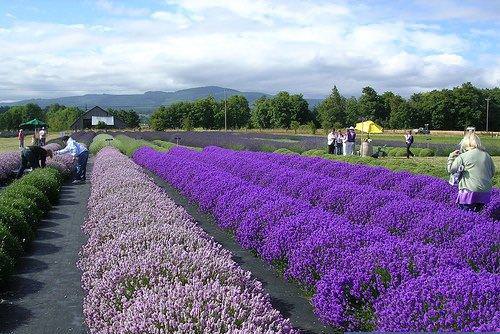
(331, 142)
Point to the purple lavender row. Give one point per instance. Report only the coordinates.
(148, 268)
(313, 244)
(415, 186)
(467, 234)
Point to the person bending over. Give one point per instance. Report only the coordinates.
(34, 157)
(80, 153)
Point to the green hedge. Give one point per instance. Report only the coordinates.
(99, 142)
(285, 151)
(163, 144)
(22, 205)
(128, 145)
(419, 152)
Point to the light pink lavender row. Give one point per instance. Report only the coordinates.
(148, 268)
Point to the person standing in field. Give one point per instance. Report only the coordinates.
(20, 137)
(338, 142)
(350, 141)
(331, 142)
(409, 142)
(43, 136)
(34, 157)
(80, 153)
(476, 170)
(35, 140)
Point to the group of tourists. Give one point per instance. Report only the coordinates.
(471, 168)
(35, 156)
(39, 138)
(341, 143)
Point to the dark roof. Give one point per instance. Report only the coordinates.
(88, 111)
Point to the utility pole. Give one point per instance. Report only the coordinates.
(225, 111)
(487, 112)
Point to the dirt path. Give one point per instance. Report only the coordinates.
(285, 296)
(45, 295)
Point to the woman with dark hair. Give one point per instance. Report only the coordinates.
(408, 142)
(34, 157)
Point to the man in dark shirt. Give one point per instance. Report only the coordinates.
(33, 156)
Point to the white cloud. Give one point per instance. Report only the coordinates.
(177, 19)
(114, 9)
(300, 46)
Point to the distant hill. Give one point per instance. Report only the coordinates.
(147, 102)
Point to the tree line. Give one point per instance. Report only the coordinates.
(208, 113)
(445, 109)
(58, 117)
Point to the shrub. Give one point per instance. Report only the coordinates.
(426, 152)
(25, 206)
(128, 145)
(267, 148)
(237, 147)
(99, 142)
(294, 125)
(314, 153)
(163, 144)
(397, 152)
(30, 192)
(296, 149)
(16, 223)
(9, 243)
(6, 265)
(285, 151)
(47, 180)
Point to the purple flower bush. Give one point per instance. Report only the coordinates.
(9, 161)
(352, 243)
(451, 300)
(148, 268)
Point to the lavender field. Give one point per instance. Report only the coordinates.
(365, 248)
(378, 250)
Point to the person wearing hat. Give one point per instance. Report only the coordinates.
(331, 142)
(43, 136)
(350, 141)
(80, 153)
(34, 157)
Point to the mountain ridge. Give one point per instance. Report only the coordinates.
(147, 101)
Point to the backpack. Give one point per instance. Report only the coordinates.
(457, 176)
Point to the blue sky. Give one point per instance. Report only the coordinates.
(59, 48)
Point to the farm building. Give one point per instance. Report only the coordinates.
(95, 115)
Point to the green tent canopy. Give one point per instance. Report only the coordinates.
(33, 124)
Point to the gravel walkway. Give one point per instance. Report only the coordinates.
(45, 295)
